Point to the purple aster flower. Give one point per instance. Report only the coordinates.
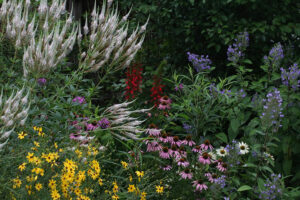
(273, 188)
(275, 56)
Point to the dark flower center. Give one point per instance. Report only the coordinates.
(152, 126)
(187, 171)
(174, 148)
(165, 97)
(165, 149)
(197, 147)
(164, 135)
(205, 155)
(222, 151)
(182, 148)
(182, 160)
(224, 165)
(164, 103)
(94, 123)
(214, 176)
(243, 147)
(188, 138)
(175, 138)
(200, 181)
(206, 142)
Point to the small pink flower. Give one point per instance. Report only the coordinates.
(153, 132)
(163, 106)
(165, 99)
(188, 141)
(79, 100)
(91, 127)
(186, 174)
(222, 166)
(211, 177)
(164, 153)
(200, 185)
(164, 138)
(167, 168)
(206, 145)
(73, 136)
(149, 114)
(197, 149)
(176, 141)
(153, 146)
(183, 162)
(204, 158)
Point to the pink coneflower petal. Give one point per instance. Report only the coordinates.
(188, 141)
(167, 168)
(206, 145)
(186, 174)
(204, 158)
(197, 149)
(165, 99)
(222, 166)
(183, 162)
(200, 185)
(164, 153)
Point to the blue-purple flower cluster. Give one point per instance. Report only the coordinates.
(200, 64)
(291, 78)
(221, 181)
(275, 55)
(187, 128)
(104, 123)
(273, 188)
(236, 50)
(272, 110)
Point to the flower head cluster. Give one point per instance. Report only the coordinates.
(165, 103)
(291, 78)
(211, 166)
(79, 99)
(42, 81)
(156, 91)
(236, 50)
(15, 16)
(275, 56)
(12, 112)
(107, 40)
(133, 82)
(272, 110)
(200, 64)
(273, 188)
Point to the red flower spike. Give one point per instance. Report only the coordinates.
(133, 81)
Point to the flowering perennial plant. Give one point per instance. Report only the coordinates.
(275, 56)
(156, 91)
(200, 64)
(273, 188)
(236, 50)
(13, 111)
(133, 82)
(291, 78)
(272, 110)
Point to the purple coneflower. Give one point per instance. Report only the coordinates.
(186, 174)
(188, 141)
(211, 177)
(222, 166)
(183, 162)
(206, 145)
(164, 153)
(200, 185)
(197, 149)
(176, 141)
(204, 158)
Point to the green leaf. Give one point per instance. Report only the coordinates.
(235, 124)
(223, 137)
(244, 188)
